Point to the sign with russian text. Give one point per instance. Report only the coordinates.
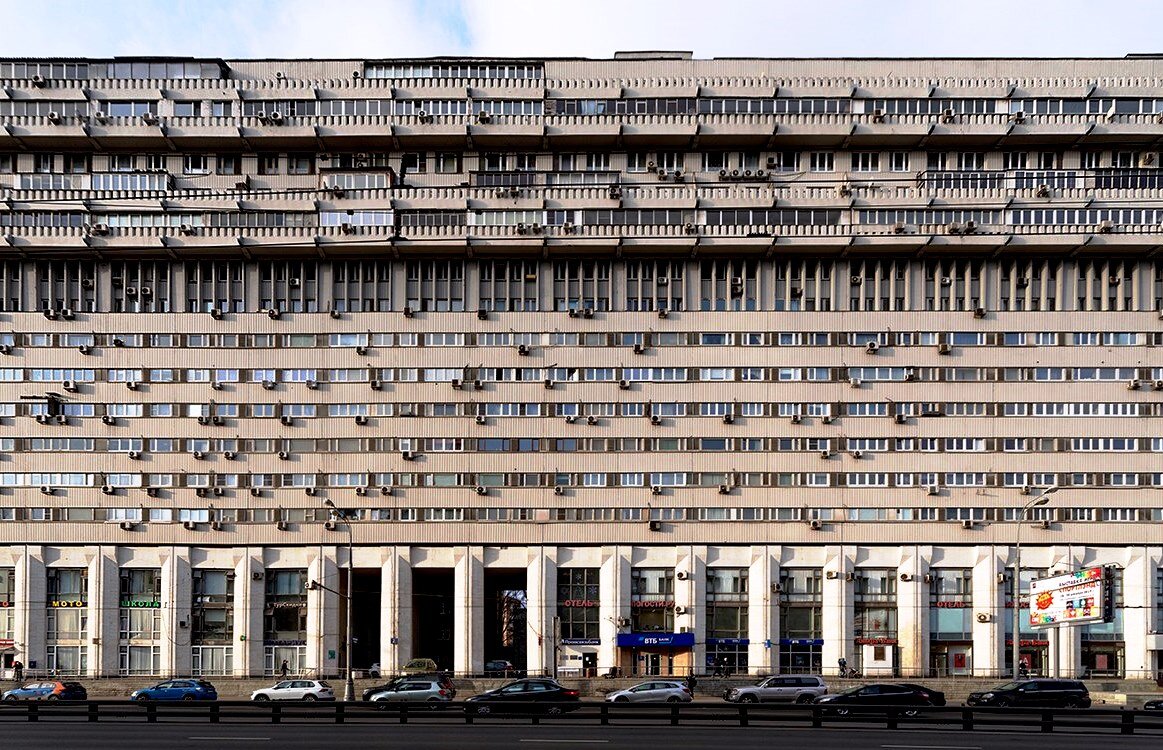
(638, 640)
(1069, 599)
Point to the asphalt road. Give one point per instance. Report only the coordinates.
(200, 736)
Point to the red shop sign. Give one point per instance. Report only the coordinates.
(652, 604)
(579, 603)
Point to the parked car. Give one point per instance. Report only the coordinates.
(882, 694)
(414, 690)
(53, 690)
(1042, 693)
(373, 671)
(419, 666)
(176, 690)
(499, 667)
(295, 690)
(790, 688)
(1155, 705)
(525, 695)
(443, 679)
(661, 691)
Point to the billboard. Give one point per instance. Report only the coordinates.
(1070, 599)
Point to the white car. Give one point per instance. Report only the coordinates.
(295, 690)
(661, 691)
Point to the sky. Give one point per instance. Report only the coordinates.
(362, 29)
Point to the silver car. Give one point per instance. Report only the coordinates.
(414, 691)
(797, 689)
(658, 691)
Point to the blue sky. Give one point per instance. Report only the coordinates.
(587, 28)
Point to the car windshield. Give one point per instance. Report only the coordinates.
(1009, 686)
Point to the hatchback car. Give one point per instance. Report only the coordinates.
(1153, 705)
(787, 688)
(525, 695)
(176, 690)
(438, 677)
(414, 690)
(499, 667)
(419, 666)
(1041, 693)
(295, 690)
(53, 690)
(882, 694)
(660, 691)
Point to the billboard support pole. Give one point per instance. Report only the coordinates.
(1016, 639)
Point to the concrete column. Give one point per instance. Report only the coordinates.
(249, 601)
(989, 598)
(838, 601)
(614, 588)
(763, 610)
(323, 614)
(541, 610)
(31, 588)
(1138, 611)
(395, 609)
(177, 585)
(104, 612)
(691, 596)
(468, 653)
(912, 613)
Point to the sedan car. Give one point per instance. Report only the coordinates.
(881, 695)
(525, 695)
(442, 679)
(660, 691)
(295, 690)
(414, 690)
(53, 690)
(1042, 693)
(499, 667)
(1155, 705)
(176, 690)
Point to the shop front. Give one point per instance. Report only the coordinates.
(950, 622)
(655, 654)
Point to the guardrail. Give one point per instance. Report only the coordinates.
(963, 718)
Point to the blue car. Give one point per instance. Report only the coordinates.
(177, 690)
(54, 690)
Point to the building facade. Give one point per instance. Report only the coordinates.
(650, 364)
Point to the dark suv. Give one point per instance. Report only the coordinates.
(1040, 693)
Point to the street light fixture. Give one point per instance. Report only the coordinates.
(1016, 640)
(349, 683)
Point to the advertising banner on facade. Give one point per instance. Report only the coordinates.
(1069, 599)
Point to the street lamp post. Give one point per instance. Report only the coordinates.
(348, 684)
(1016, 640)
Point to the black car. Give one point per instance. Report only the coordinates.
(1155, 705)
(438, 677)
(1039, 693)
(881, 694)
(525, 695)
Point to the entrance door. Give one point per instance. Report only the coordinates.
(590, 665)
(653, 664)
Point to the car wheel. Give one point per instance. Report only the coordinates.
(10, 698)
(749, 699)
(262, 698)
(672, 699)
(484, 710)
(910, 712)
(1002, 703)
(187, 697)
(310, 698)
(621, 699)
(841, 711)
(1073, 703)
(53, 698)
(802, 699)
(142, 698)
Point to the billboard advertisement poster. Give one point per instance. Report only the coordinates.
(1070, 599)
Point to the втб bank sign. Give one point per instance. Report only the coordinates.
(1070, 599)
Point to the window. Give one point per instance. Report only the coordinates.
(300, 164)
(899, 161)
(865, 161)
(195, 164)
(822, 161)
(188, 109)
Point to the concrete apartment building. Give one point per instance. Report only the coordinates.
(650, 363)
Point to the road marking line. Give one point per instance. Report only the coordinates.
(577, 741)
(232, 739)
(934, 747)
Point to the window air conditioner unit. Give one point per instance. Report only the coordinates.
(408, 455)
(857, 454)
(198, 455)
(872, 347)
(409, 312)
(201, 491)
(217, 420)
(728, 419)
(281, 525)
(663, 313)
(256, 492)
(656, 525)
(216, 313)
(275, 117)
(906, 577)
(967, 524)
(218, 492)
(216, 385)
(1045, 523)
(62, 419)
(100, 115)
(548, 384)
(948, 115)
(5, 348)
(1106, 226)
(480, 419)
(480, 489)
(478, 385)
(831, 575)
(1133, 384)
(128, 525)
(287, 420)
(98, 230)
(134, 455)
(655, 420)
(361, 419)
(312, 385)
(54, 118)
(149, 118)
(204, 420)
(724, 489)
(689, 228)
(558, 489)
(375, 385)
(570, 418)
(856, 280)
(983, 617)
(455, 383)
(655, 489)
(46, 490)
(827, 419)
(825, 453)
(587, 312)
(796, 419)
(900, 419)
(109, 419)
(68, 314)
(49, 313)
(268, 385)
(189, 525)
(284, 455)
(385, 490)
(310, 491)
(679, 610)
(274, 313)
(624, 384)
(294, 281)
(69, 386)
(229, 455)
(523, 350)
(878, 115)
(854, 382)
(932, 489)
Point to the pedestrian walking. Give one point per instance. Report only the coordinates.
(18, 670)
(691, 682)
(284, 669)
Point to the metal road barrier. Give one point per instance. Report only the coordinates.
(964, 718)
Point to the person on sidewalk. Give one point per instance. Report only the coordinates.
(18, 670)
(691, 682)
(284, 669)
